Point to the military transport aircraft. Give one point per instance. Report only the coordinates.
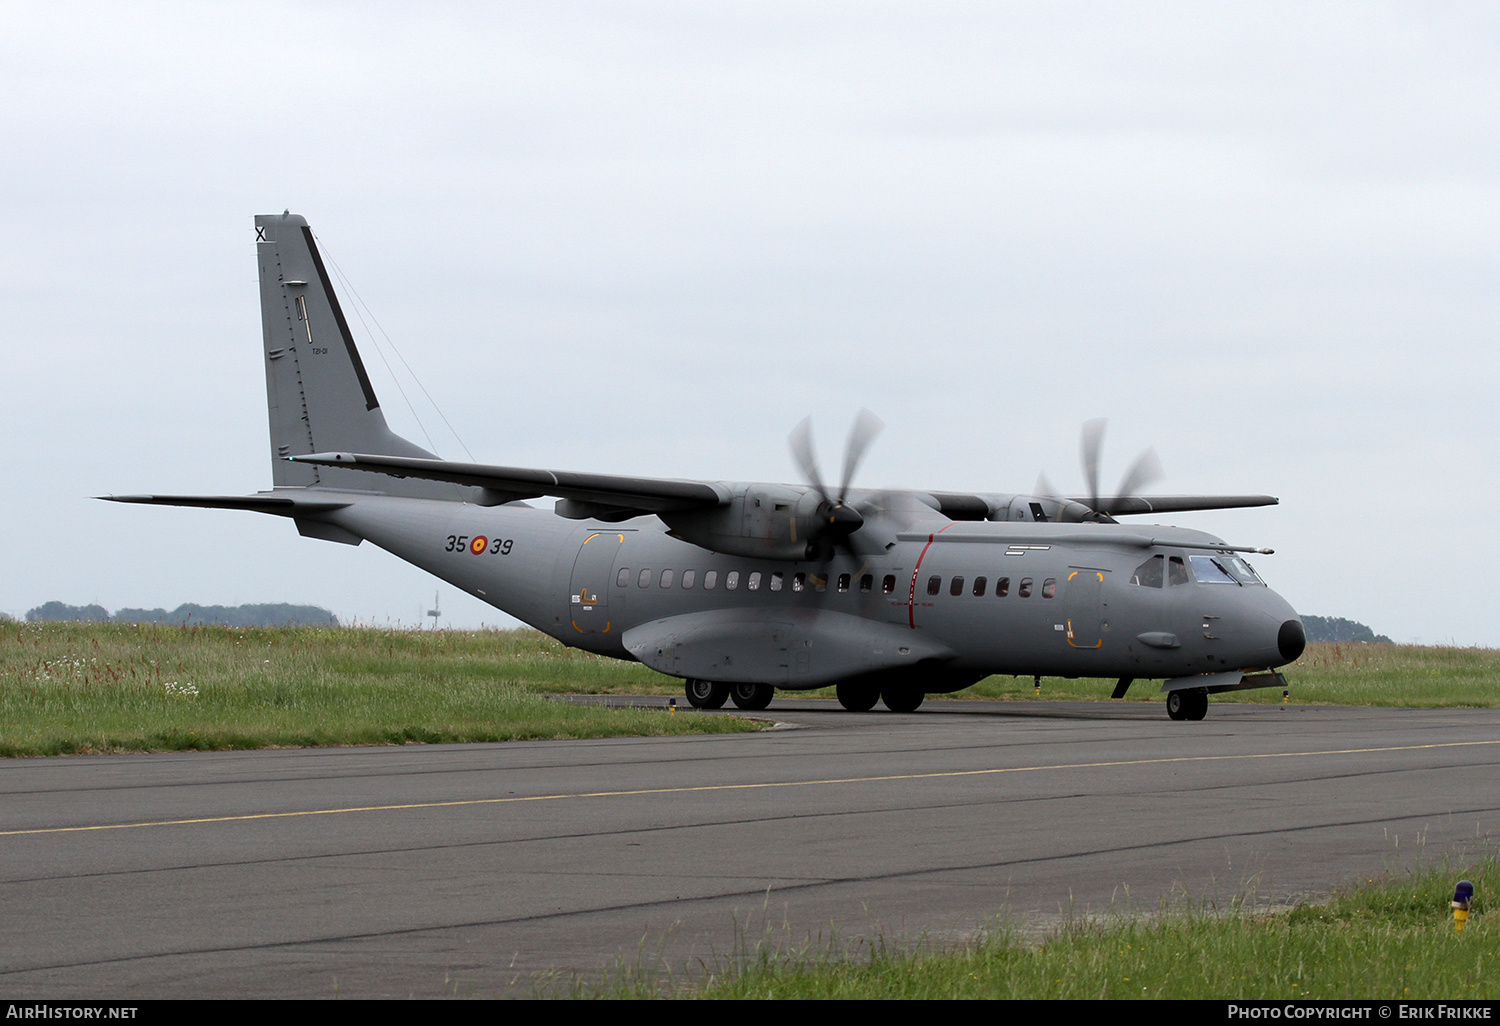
(743, 588)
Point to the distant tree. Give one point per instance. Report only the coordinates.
(1336, 628)
(62, 611)
(141, 616)
(276, 614)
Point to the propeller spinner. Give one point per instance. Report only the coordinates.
(837, 519)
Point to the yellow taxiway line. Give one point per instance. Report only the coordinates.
(739, 787)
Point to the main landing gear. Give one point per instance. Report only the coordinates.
(862, 697)
(709, 694)
(1187, 704)
(751, 697)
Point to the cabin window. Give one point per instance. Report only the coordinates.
(866, 583)
(777, 577)
(1002, 587)
(888, 584)
(957, 587)
(731, 580)
(688, 577)
(754, 582)
(799, 581)
(979, 583)
(710, 578)
(622, 579)
(1049, 588)
(1024, 589)
(666, 578)
(1176, 571)
(1151, 574)
(934, 585)
(843, 584)
(645, 579)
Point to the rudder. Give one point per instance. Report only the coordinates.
(319, 396)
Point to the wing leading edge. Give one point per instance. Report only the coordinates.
(608, 494)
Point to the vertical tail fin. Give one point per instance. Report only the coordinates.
(319, 396)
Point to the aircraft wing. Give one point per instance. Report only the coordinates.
(1179, 503)
(608, 491)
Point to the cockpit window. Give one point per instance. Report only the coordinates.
(1239, 569)
(1151, 574)
(1208, 570)
(1177, 572)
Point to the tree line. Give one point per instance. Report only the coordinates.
(271, 614)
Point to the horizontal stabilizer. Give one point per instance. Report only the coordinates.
(280, 505)
(645, 494)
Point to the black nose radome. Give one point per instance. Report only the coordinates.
(1291, 639)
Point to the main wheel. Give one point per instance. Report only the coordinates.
(902, 697)
(706, 694)
(1187, 704)
(751, 696)
(857, 697)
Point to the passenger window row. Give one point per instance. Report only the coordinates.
(981, 584)
(843, 584)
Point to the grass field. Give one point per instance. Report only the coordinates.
(1412, 676)
(68, 687)
(1383, 939)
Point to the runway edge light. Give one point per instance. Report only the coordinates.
(1463, 898)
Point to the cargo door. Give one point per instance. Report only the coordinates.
(593, 572)
(1083, 609)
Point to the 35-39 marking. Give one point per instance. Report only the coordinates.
(479, 544)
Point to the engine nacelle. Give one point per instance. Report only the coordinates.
(759, 522)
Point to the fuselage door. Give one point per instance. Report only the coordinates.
(588, 593)
(1083, 608)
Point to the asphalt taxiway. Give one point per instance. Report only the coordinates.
(470, 869)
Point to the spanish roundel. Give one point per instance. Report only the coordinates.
(479, 544)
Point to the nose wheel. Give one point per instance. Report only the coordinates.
(1187, 704)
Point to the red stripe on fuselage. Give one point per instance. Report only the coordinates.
(911, 595)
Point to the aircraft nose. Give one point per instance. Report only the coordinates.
(1291, 640)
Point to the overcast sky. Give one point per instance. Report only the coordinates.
(648, 238)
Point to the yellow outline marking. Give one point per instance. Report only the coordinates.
(739, 787)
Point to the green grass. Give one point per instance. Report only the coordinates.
(1411, 676)
(67, 688)
(1390, 938)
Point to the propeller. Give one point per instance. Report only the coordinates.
(837, 519)
(1145, 470)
